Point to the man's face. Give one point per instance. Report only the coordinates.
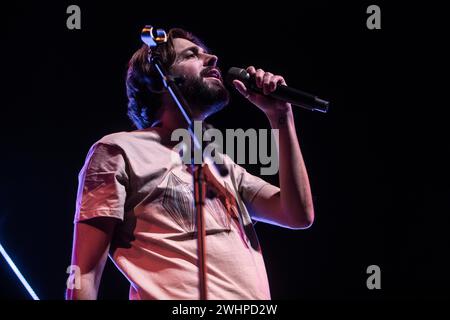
(202, 87)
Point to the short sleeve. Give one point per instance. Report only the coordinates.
(102, 184)
(248, 184)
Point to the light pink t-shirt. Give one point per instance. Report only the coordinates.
(131, 176)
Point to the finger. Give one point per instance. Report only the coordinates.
(267, 79)
(241, 88)
(275, 81)
(259, 77)
(280, 80)
(251, 70)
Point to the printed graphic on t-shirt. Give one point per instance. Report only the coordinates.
(178, 201)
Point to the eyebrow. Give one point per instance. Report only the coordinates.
(195, 49)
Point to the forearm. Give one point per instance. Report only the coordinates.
(89, 255)
(88, 289)
(295, 193)
(292, 206)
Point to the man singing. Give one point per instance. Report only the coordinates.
(135, 199)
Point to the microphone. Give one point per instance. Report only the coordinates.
(282, 92)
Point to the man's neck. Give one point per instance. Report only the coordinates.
(170, 119)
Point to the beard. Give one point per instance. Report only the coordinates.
(205, 97)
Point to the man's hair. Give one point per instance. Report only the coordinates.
(143, 83)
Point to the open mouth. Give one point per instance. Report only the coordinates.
(214, 73)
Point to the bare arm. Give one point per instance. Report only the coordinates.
(292, 205)
(91, 243)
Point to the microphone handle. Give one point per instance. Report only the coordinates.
(295, 97)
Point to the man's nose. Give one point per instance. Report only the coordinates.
(211, 60)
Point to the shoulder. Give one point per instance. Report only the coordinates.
(115, 139)
(125, 139)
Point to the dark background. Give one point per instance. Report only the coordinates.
(377, 161)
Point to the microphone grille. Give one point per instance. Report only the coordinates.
(237, 74)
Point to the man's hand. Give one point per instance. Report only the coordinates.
(268, 83)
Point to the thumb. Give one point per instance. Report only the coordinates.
(239, 85)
